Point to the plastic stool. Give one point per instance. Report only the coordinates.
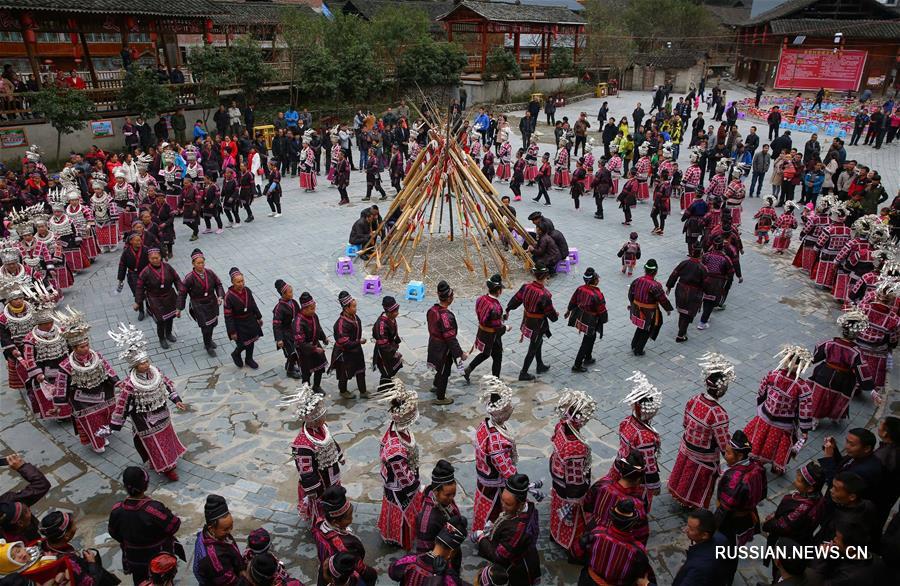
(371, 285)
(351, 250)
(573, 256)
(415, 291)
(344, 266)
(564, 266)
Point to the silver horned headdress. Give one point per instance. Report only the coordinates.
(794, 359)
(712, 364)
(74, 326)
(403, 404)
(576, 406)
(853, 322)
(310, 405)
(131, 343)
(643, 393)
(496, 396)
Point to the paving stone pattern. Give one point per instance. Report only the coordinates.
(238, 437)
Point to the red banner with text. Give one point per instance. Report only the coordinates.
(811, 69)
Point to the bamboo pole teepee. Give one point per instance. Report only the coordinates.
(446, 196)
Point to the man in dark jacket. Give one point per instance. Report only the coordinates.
(610, 130)
(38, 485)
(637, 116)
(701, 565)
(161, 129)
(782, 143)
(859, 124)
(222, 120)
(774, 121)
(859, 458)
(361, 231)
(534, 108)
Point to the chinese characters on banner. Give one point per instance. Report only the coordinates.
(811, 69)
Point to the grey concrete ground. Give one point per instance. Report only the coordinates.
(238, 437)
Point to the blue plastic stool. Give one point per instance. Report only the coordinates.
(371, 285)
(415, 291)
(564, 266)
(343, 266)
(351, 250)
(573, 256)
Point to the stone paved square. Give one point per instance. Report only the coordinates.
(238, 437)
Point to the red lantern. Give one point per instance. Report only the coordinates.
(208, 27)
(153, 35)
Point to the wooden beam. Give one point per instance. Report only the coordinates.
(87, 57)
(516, 45)
(483, 45)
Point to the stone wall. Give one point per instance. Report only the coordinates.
(487, 92)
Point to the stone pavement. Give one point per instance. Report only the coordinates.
(238, 437)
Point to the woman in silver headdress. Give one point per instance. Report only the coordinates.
(86, 383)
(142, 398)
(400, 468)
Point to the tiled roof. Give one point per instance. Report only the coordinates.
(729, 15)
(370, 8)
(195, 8)
(852, 29)
(250, 13)
(519, 13)
(801, 8)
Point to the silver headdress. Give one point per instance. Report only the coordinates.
(789, 206)
(824, 203)
(143, 162)
(839, 212)
(888, 287)
(695, 154)
(576, 406)
(667, 150)
(738, 171)
(643, 149)
(613, 148)
(853, 321)
(862, 227)
(795, 359)
(722, 165)
(713, 363)
(8, 251)
(310, 404)
(74, 326)
(769, 201)
(496, 396)
(11, 289)
(880, 234)
(37, 213)
(43, 300)
(589, 147)
(403, 404)
(21, 222)
(643, 393)
(98, 179)
(883, 257)
(33, 154)
(131, 342)
(308, 136)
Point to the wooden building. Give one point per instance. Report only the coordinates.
(40, 37)
(481, 26)
(842, 45)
